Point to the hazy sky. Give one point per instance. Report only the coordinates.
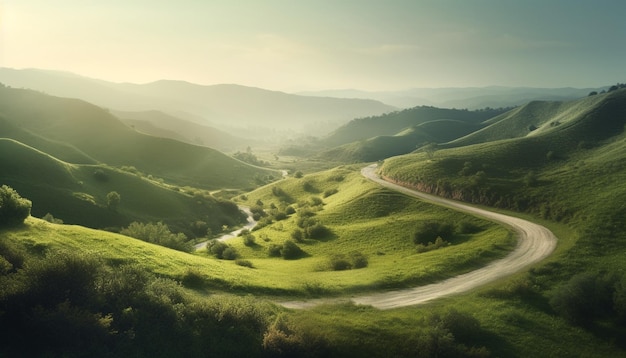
(322, 44)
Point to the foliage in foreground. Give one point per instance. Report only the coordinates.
(13, 208)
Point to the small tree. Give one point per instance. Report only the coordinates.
(113, 200)
(13, 208)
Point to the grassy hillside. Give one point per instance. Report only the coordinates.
(393, 123)
(572, 174)
(381, 147)
(540, 117)
(97, 134)
(76, 193)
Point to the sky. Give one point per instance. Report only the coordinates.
(295, 45)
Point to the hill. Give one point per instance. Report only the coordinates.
(160, 124)
(392, 123)
(537, 118)
(226, 106)
(381, 147)
(77, 193)
(82, 133)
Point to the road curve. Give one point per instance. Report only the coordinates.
(251, 223)
(535, 243)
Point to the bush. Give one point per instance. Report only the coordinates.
(158, 233)
(244, 263)
(249, 239)
(291, 251)
(358, 260)
(317, 231)
(297, 235)
(274, 250)
(13, 208)
(339, 263)
(221, 250)
(428, 231)
(582, 299)
(51, 219)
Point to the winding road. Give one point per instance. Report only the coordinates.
(249, 225)
(535, 243)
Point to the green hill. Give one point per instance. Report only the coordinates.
(76, 193)
(538, 117)
(381, 147)
(90, 133)
(392, 123)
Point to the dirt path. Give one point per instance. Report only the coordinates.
(535, 243)
(249, 225)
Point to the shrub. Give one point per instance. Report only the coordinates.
(297, 235)
(583, 298)
(249, 239)
(51, 219)
(13, 208)
(221, 250)
(244, 263)
(329, 192)
(317, 231)
(339, 263)
(274, 250)
(291, 251)
(229, 253)
(358, 260)
(428, 231)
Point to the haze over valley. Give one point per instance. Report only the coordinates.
(312, 179)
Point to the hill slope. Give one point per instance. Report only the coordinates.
(77, 193)
(541, 117)
(393, 123)
(97, 135)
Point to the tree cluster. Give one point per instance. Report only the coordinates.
(158, 233)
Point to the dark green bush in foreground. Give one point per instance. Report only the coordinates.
(13, 208)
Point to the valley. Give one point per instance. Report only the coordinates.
(395, 233)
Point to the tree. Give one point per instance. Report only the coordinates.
(113, 200)
(13, 208)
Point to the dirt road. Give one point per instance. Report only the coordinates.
(535, 243)
(249, 225)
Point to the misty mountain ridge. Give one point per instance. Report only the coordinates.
(462, 97)
(228, 107)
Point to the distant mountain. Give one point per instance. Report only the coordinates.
(226, 106)
(470, 97)
(79, 132)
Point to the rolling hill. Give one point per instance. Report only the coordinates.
(541, 117)
(381, 147)
(79, 132)
(393, 123)
(77, 193)
(160, 124)
(226, 106)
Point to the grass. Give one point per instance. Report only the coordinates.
(75, 194)
(375, 222)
